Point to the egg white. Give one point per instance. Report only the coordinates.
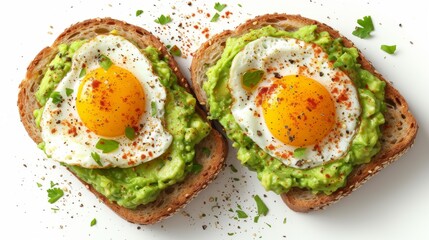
(75, 149)
(287, 56)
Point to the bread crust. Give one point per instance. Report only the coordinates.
(398, 133)
(172, 199)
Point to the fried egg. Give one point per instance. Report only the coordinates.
(300, 109)
(110, 97)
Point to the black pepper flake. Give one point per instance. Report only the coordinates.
(277, 75)
(204, 227)
(259, 133)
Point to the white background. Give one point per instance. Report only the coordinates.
(392, 205)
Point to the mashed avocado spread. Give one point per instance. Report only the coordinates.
(130, 187)
(272, 173)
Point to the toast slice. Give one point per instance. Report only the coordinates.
(398, 133)
(171, 199)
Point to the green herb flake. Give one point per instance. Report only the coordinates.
(163, 19)
(219, 7)
(54, 194)
(56, 97)
(69, 92)
(269, 225)
(196, 168)
(55, 209)
(107, 145)
(39, 184)
(390, 49)
(139, 12)
(284, 221)
(175, 51)
(93, 222)
(239, 5)
(299, 152)
(262, 208)
(233, 169)
(230, 234)
(215, 17)
(105, 62)
(96, 158)
(82, 73)
(206, 151)
(241, 214)
(130, 133)
(366, 27)
(252, 77)
(153, 109)
(256, 219)
(53, 184)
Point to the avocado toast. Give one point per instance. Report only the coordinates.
(149, 192)
(305, 189)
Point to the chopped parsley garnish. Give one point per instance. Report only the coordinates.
(230, 234)
(105, 62)
(96, 158)
(139, 12)
(69, 92)
(175, 51)
(56, 97)
(206, 151)
(241, 214)
(82, 72)
(219, 7)
(252, 77)
(130, 133)
(53, 184)
(299, 152)
(256, 219)
(269, 225)
(163, 19)
(284, 221)
(39, 185)
(233, 169)
(196, 168)
(215, 17)
(262, 208)
(54, 194)
(389, 49)
(366, 27)
(240, 5)
(93, 222)
(55, 209)
(153, 109)
(107, 145)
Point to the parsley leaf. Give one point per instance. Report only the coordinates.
(196, 168)
(206, 151)
(56, 97)
(139, 12)
(69, 92)
(175, 51)
(54, 194)
(262, 208)
(299, 152)
(163, 19)
(252, 77)
(219, 7)
(82, 72)
(389, 49)
(255, 220)
(107, 145)
(366, 27)
(153, 109)
(215, 17)
(93, 222)
(39, 185)
(130, 133)
(96, 158)
(241, 214)
(105, 62)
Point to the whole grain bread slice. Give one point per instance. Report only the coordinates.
(173, 198)
(399, 131)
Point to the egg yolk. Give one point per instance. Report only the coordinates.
(298, 110)
(110, 100)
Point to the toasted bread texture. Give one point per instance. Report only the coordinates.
(171, 199)
(398, 133)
